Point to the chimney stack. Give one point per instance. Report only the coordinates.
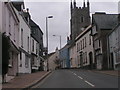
(27, 9)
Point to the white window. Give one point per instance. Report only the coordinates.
(77, 46)
(99, 43)
(11, 59)
(21, 37)
(28, 43)
(26, 61)
(20, 59)
(14, 31)
(86, 57)
(89, 39)
(117, 57)
(83, 55)
(33, 45)
(33, 61)
(36, 48)
(81, 44)
(85, 42)
(10, 23)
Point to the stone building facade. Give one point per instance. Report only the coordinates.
(102, 24)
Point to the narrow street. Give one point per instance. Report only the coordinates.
(78, 79)
(59, 44)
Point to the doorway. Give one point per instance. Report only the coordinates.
(111, 61)
(91, 60)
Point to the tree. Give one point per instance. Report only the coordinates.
(5, 55)
(57, 62)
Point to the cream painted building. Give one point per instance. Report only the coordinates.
(24, 57)
(51, 60)
(73, 57)
(84, 49)
(9, 23)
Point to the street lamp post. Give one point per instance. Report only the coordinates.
(60, 39)
(47, 40)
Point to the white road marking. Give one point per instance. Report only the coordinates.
(75, 74)
(90, 83)
(84, 80)
(80, 77)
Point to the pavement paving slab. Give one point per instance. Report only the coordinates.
(109, 72)
(24, 81)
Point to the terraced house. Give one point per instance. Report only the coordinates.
(84, 48)
(36, 47)
(10, 25)
(114, 47)
(102, 24)
(24, 63)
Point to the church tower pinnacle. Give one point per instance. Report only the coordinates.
(71, 7)
(74, 3)
(84, 3)
(71, 4)
(88, 4)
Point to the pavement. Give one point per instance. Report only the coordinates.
(8, 78)
(29, 80)
(108, 72)
(26, 80)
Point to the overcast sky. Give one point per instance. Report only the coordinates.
(60, 10)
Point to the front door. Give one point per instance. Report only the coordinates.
(112, 61)
(91, 60)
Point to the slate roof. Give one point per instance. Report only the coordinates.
(105, 21)
(17, 4)
(33, 24)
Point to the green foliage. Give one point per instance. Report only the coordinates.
(5, 53)
(57, 61)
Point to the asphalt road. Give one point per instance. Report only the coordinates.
(78, 79)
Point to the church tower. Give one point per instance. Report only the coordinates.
(80, 18)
